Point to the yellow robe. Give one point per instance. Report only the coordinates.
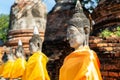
(1, 62)
(18, 68)
(36, 67)
(1, 68)
(82, 64)
(7, 69)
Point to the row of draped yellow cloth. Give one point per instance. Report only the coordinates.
(81, 64)
(34, 69)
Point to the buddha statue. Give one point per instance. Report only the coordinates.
(80, 21)
(20, 62)
(36, 65)
(83, 63)
(7, 67)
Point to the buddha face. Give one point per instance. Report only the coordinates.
(75, 37)
(35, 43)
(19, 52)
(33, 47)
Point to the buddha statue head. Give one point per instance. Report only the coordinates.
(19, 52)
(76, 38)
(35, 43)
(78, 28)
(8, 54)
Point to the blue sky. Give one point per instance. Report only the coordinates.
(6, 4)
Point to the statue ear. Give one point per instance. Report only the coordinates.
(86, 29)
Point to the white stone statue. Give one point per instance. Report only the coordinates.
(35, 43)
(20, 50)
(75, 37)
(81, 22)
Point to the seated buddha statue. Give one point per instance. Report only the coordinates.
(20, 62)
(7, 67)
(36, 65)
(82, 63)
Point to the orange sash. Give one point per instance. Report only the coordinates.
(82, 64)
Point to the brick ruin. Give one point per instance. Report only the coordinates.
(24, 16)
(106, 16)
(56, 47)
(108, 49)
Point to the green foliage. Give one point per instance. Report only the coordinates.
(118, 28)
(4, 22)
(107, 33)
(117, 31)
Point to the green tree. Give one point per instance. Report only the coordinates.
(4, 22)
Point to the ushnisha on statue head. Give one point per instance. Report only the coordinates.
(78, 28)
(35, 43)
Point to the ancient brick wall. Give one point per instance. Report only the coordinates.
(106, 15)
(108, 50)
(57, 48)
(55, 45)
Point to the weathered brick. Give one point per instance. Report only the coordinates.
(113, 74)
(102, 44)
(111, 44)
(93, 45)
(104, 73)
(108, 48)
(117, 54)
(110, 67)
(108, 78)
(96, 40)
(116, 48)
(119, 74)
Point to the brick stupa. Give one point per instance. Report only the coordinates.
(24, 16)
